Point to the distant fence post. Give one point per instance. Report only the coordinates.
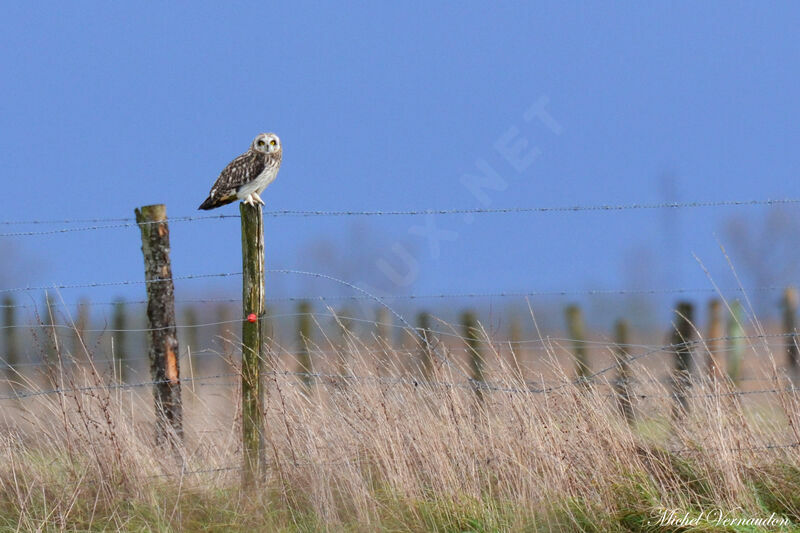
(162, 334)
(119, 323)
(714, 341)
(426, 357)
(790, 328)
(303, 338)
(736, 342)
(51, 335)
(223, 313)
(623, 373)
(469, 327)
(383, 328)
(267, 330)
(577, 332)
(344, 323)
(516, 346)
(252, 342)
(9, 323)
(190, 337)
(81, 325)
(681, 339)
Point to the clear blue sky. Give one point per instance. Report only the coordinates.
(107, 106)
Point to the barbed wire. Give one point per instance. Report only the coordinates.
(333, 298)
(123, 222)
(109, 386)
(546, 342)
(118, 283)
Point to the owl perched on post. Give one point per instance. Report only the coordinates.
(246, 177)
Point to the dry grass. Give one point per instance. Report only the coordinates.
(381, 453)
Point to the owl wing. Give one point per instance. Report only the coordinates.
(241, 170)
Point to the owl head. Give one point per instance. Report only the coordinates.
(266, 143)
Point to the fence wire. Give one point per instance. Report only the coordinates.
(125, 222)
(393, 297)
(414, 383)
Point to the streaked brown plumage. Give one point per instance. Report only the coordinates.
(246, 177)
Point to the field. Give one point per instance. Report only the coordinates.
(366, 441)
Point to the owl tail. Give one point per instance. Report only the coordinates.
(213, 203)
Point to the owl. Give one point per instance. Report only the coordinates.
(246, 177)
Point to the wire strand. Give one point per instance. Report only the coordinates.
(126, 222)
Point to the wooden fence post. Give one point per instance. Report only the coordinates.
(735, 342)
(790, 328)
(9, 323)
(303, 338)
(223, 332)
(577, 332)
(383, 328)
(162, 335)
(623, 376)
(344, 323)
(516, 346)
(252, 341)
(190, 337)
(714, 341)
(267, 330)
(471, 332)
(81, 324)
(50, 333)
(119, 323)
(426, 357)
(681, 338)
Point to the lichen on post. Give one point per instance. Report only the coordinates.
(253, 309)
(162, 335)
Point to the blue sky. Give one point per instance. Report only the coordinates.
(381, 106)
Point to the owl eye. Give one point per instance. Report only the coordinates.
(273, 142)
(260, 142)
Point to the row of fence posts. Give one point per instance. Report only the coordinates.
(719, 337)
(163, 350)
(717, 334)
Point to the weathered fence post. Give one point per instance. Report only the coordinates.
(81, 324)
(790, 328)
(50, 335)
(267, 330)
(252, 341)
(577, 332)
(9, 323)
(681, 343)
(623, 373)
(383, 328)
(303, 338)
(119, 323)
(469, 327)
(224, 318)
(516, 347)
(190, 337)
(426, 355)
(714, 341)
(162, 335)
(344, 322)
(735, 342)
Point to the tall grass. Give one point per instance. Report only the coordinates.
(381, 450)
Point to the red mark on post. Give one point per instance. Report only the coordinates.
(252, 317)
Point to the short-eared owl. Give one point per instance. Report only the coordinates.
(246, 177)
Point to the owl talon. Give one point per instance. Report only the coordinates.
(257, 198)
